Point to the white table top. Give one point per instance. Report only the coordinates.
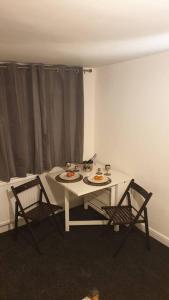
(80, 188)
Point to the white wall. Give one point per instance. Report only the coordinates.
(132, 128)
(54, 191)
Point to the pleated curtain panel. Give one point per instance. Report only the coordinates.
(41, 118)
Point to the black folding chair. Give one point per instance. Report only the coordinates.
(36, 211)
(128, 214)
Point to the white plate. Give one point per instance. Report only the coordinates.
(65, 177)
(92, 179)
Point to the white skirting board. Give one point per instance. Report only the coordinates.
(5, 226)
(9, 225)
(156, 235)
(159, 237)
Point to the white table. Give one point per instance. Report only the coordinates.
(81, 189)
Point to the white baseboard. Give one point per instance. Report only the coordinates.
(6, 226)
(159, 237)
(156, 235)
(9, 225)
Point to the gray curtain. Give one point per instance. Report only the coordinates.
(41, 118)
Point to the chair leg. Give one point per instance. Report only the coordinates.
(33, 238)
(56, 223)
(147, 230)
(124, 240)
(108, 226)
(16, 221)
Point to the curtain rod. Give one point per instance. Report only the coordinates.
(87, 70)
(25, 65)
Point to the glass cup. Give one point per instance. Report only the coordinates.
(76, 168)
(68, 165)
(99, 171)
(107, 168)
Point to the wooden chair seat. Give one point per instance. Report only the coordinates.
(119, 215)
(41, 212)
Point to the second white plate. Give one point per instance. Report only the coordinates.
(103, 180)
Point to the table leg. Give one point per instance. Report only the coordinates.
(85, 202)
(66, 210)
(116, 194)
(111, 196)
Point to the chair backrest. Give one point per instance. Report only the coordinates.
(25, 186)
(141, 191)
(28, 185)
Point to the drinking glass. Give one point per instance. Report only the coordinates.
(68, 165)
(107, 168)
(99, 171)
(76, 168)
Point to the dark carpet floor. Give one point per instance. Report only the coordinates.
(82, 260)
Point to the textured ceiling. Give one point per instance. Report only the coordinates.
(82, 32)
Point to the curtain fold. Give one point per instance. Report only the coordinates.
(41, 118)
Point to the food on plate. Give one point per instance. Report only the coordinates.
(98, 177)
(70, 174)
